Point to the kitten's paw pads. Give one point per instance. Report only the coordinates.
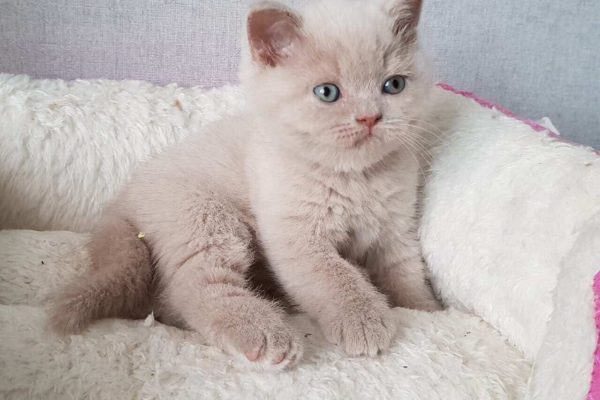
(272, 347)
(363, 331)
(260, 335)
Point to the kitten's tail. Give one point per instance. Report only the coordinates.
(117, 285)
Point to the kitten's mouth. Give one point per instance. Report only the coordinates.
(362, 140)
(356, 138)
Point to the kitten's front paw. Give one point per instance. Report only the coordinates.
(258, 333)
(364, 330)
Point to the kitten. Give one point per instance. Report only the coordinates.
(318, 177)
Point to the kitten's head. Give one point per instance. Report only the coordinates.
(342, 82)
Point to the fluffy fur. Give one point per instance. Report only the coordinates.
(329, 202)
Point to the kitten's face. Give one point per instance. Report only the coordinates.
(344, 84)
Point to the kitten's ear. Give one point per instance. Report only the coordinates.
(272, 30)
(406, 14)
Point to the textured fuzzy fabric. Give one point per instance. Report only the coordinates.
(65, 147)
(563, 366)
(446, 355)
(502, 211)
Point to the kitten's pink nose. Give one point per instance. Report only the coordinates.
(369, 121)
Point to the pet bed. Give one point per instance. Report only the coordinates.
(508, 212)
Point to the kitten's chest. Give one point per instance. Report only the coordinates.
(355, 213)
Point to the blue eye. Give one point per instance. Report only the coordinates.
(394, 85)
(327, 92)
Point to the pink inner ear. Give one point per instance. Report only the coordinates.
(270, 33)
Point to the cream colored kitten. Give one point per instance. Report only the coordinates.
(318, 177)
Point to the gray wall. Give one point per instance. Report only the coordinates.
(537, 57)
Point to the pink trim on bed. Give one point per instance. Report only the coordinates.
(594, 393)
(492, 106)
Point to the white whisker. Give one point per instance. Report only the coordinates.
(424, 129)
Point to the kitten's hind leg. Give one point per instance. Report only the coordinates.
(203, 259)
